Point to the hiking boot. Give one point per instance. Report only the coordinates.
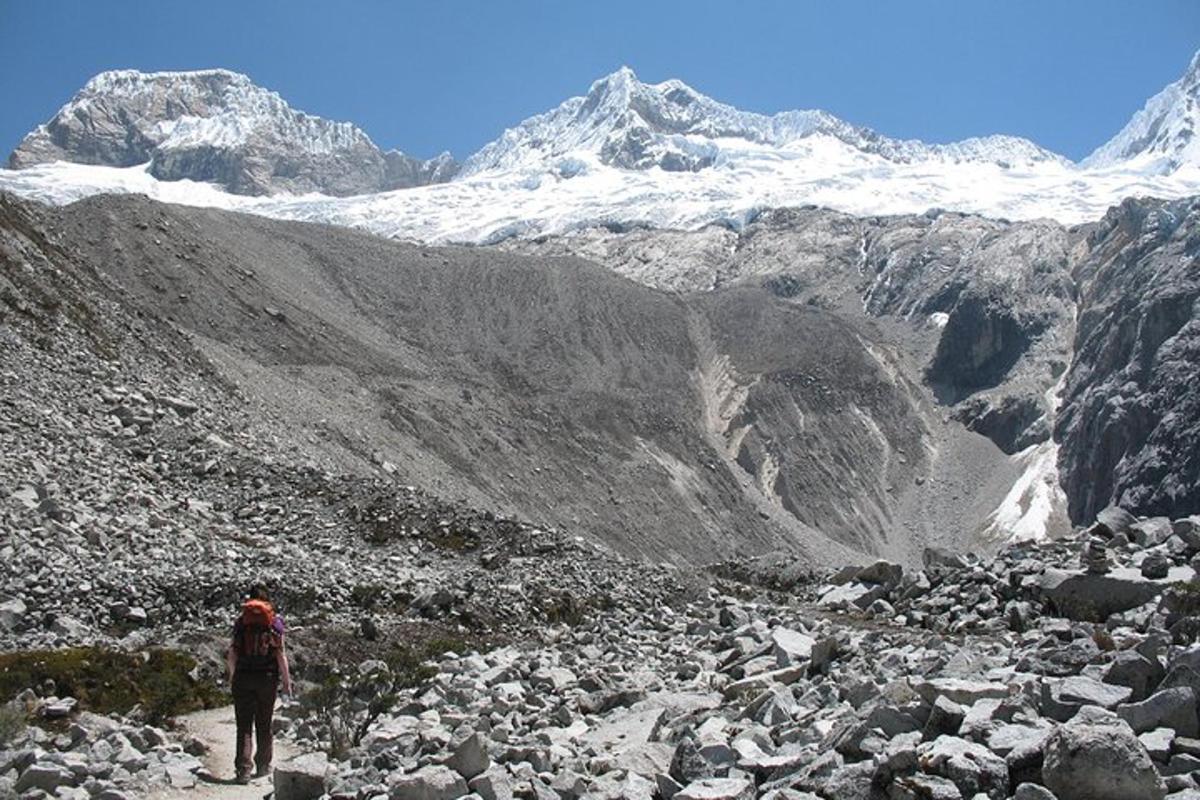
(243, 778)
(262, 772)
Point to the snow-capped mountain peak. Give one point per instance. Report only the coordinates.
(215, 126)
(1164, 135)
(629, 124)
(624, 153)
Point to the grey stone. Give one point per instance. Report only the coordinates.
(972, 767)
(304, 777)
(1096, 756)
(1093, 598)
(1089, 691)
(44, 776)
(1132, 669)
(885, 573)
(470, 757)
(1031, 791)
(1116, 519)
(852, 596)
(12, 613)
(1155, 565)
(428, 783)
(1150, 532)
(959, 690)
(1171, 708)
(717, 789)
(945, 717)
(791, 647)
(1158, 743)
(494, 784)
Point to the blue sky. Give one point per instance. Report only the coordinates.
(425, 77)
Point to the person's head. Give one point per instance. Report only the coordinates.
(258, 591)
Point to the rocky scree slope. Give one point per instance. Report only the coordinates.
(141, 489)
(987, 305)
(733, 422)
(216, 126)
(1029, 333)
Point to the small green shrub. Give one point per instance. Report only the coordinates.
(107, 681)
(349, 702)
(565, 609)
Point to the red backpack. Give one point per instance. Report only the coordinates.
(255, 637)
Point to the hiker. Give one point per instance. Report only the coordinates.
(257, 662)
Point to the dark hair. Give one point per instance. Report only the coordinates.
(258, 591)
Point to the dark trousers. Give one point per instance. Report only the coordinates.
(253, 705)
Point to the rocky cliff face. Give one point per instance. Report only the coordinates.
(1130, 423)
(216, 126)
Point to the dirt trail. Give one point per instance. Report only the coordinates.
(215, 728)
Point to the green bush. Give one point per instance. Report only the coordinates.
(349, 702)
(106, 681)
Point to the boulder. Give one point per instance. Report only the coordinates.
(791, 647)
(1096, 756)
(302, 778)
(1131, 668)
(494, 784)
(958, 690)
(1155, 566)
(884, 573)
(853, 596)
(971, 767)
(1088, 597)
(1031, 791)
(1090, 692)
(470, 757)
(428, 783)
(1150, 532)
(44, 776)
(945, 717)
(1171, 708)
(12, 613)
(717, 789)
(1116, 520)
(761, 681)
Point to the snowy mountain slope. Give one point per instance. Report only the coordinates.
(626, 154)
(216, 126)
(1164, 135)
(633, 125)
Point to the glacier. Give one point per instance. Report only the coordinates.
(629, 154)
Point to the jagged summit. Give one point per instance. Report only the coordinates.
(634, 125)
(1164, 135)
(625, 153)
(217, 126)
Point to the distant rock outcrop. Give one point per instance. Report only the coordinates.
(1130, 422)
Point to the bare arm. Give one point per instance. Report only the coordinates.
(230, 662)
(285, 673)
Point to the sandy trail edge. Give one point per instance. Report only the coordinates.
(215, 728)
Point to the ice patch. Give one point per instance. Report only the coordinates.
(1035, 505)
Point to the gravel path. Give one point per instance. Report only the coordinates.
(215, 728)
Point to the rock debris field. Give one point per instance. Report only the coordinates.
(445, 652)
